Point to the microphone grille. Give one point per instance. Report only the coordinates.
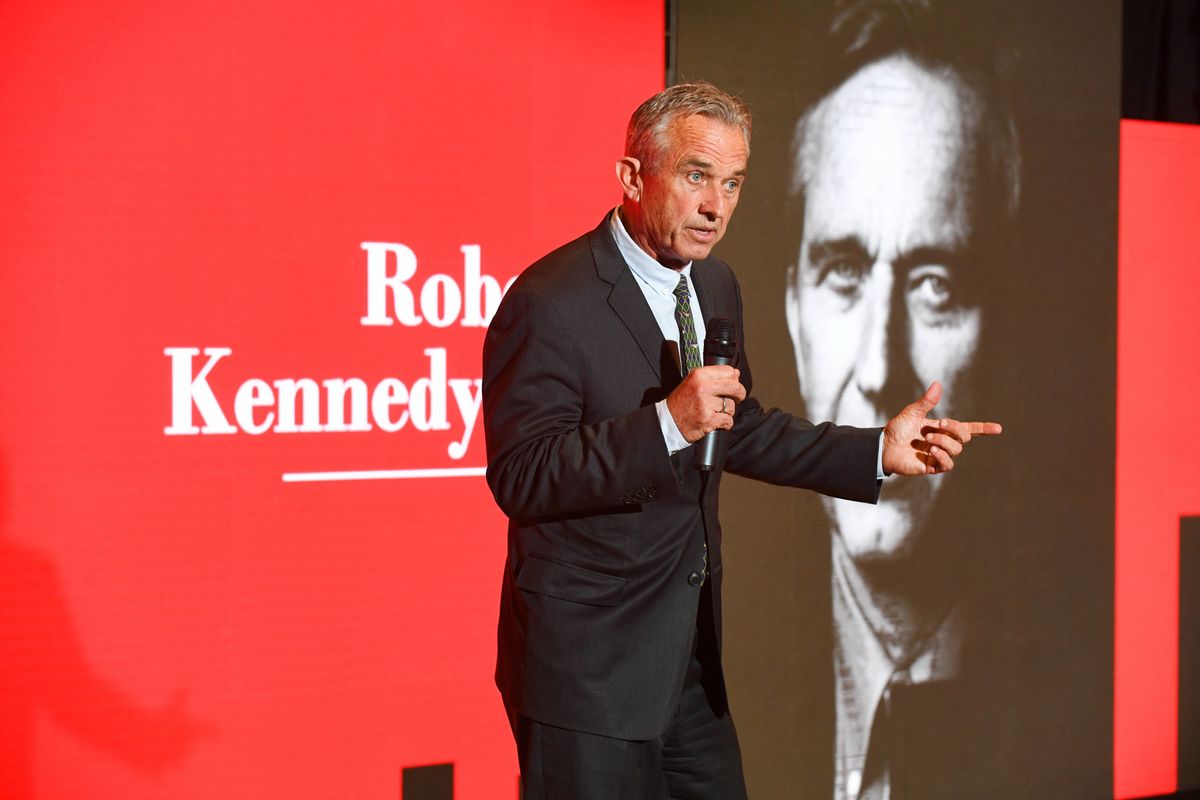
(721, 329)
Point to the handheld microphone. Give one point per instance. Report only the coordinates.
(720, 347)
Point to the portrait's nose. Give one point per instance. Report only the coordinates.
(871, 366)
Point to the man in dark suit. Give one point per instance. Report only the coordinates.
(610, 618)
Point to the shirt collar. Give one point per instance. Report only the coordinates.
(659, 278)
(862, 664)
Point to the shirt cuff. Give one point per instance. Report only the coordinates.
(670, 431)
(879, 474)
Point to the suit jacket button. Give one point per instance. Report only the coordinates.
(694, 579)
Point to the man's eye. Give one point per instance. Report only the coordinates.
(732, 185)
(695, 177)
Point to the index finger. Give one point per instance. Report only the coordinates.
(732, 389)
(716, 372)
(720, 380)
(974, 428)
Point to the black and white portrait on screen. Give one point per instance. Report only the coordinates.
(905, 176)
(933, 198)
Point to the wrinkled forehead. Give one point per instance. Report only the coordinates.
(893, 115)
(699, 138)
(888, 160)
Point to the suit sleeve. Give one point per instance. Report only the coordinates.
(777, 447)
(543, 461)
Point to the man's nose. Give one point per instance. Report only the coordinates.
(871, 367)
(712, 204)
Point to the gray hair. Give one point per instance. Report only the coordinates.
(645, 138)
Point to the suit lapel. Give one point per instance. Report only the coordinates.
(626, 298)
(703, 295)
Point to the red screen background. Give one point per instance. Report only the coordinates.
(1158, 438)
(179, 621)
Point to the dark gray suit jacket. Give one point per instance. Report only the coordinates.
(597, 614)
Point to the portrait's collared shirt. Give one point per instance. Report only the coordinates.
(864, 670)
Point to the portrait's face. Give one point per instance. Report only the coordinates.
(876, 303)
(678, 212)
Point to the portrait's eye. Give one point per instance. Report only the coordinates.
(844, 276)
(932, 287)
(732, 185)
(933, 295)
(695, 177)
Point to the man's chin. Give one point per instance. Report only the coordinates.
(696, 252)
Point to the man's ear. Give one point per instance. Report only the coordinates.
(629, 174)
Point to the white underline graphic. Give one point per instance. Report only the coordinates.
(383, 474)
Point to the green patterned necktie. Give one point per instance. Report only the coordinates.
(688, 347)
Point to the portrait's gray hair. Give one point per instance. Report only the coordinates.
(646, 136)
(942, 38)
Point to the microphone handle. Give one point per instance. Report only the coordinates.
(712, 446)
